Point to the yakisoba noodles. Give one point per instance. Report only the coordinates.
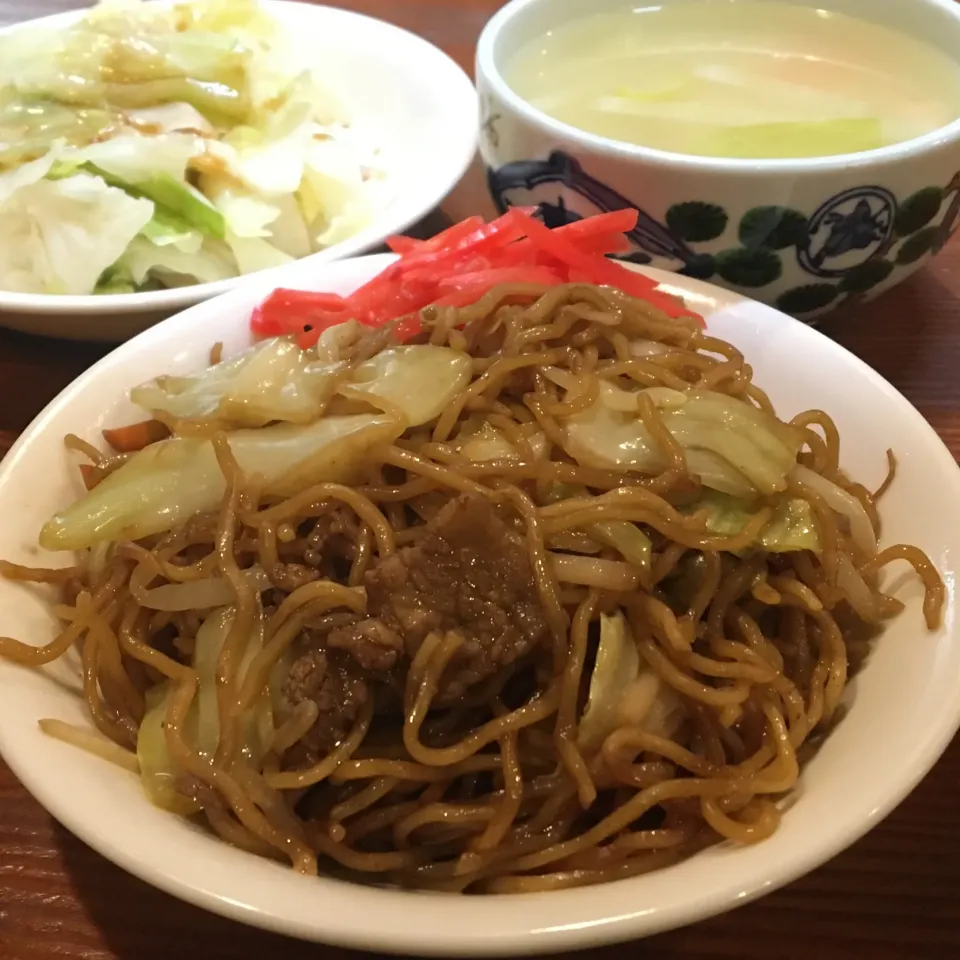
(548, 598)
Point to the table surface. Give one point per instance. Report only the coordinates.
(895, 895)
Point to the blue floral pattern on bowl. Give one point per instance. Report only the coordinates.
(849, 245)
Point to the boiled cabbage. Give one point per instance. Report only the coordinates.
(59, 236)
(252, 254)
(115, 279)
(28, 129)
(337, 194)
(176, 266)
(624, 691)
(172, 195)
(793, 525)
(257, 723)
(269, 161)
(170, 118)
(135, 159)
(200, 108)
(845, 505)
(165, 230)
(288, 232)
(275, 380)
(133, 55)
(733, 446)
(168, 482)
(158, 771)
(244, 213)
(421, 379)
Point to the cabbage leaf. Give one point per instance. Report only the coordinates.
(158, 770)
(176, 264)
(420, 379)
(61, 235)
(168, 482)
(274, 380)
(733, 446)
(792, 527)
(256, 724)
(624, 691)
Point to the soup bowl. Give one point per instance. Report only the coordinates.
(805, 235)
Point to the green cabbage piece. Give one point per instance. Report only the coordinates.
(174, 198)
(176, 264)
(59, 236)
(256, 725)
(733, 446)
(419, 379)
(168, 482)
(274, 380)
(624, 691)
(810, 138)
(158, 771)
(135, 55)
(28, 129)
(632, 543)
(148, 167)
(166, 229)
(134, 92)
(792, 527)
(115, 280)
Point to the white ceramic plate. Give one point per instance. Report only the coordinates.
(905, 704)
(409, 97)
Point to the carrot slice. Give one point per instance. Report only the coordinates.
(89, 475)
(136, 436)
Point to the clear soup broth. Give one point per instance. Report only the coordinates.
(739, 78)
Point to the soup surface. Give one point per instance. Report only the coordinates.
(739, 78)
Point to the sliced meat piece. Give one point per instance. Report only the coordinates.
(371, 643)
(465, 574)
(338, 693)
(329, 544)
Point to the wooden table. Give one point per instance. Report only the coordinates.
(894, 896)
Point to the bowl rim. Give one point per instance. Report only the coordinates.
(489, 73)
(348, 924)
(463, 136)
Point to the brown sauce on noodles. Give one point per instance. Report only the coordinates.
(446, 764)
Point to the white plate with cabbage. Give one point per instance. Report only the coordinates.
(154, 154)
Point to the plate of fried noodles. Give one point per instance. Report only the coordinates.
(486, 597)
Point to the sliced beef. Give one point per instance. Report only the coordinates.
(338, 692)
(330, 547)
(371, 643)
(465, 574)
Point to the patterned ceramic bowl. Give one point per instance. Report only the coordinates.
(804, 235)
